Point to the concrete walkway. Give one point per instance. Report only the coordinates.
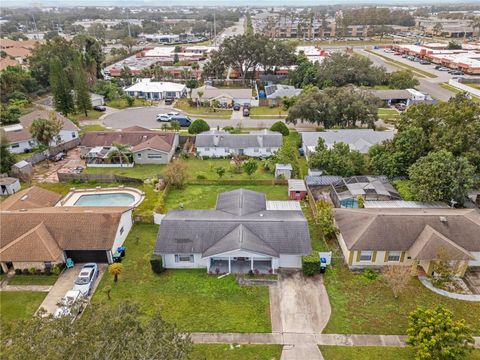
(465, 297)
(299, 340)
(41, 288)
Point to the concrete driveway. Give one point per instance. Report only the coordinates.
(299, 309)
(64, 283)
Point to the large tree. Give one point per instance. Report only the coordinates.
(402, 79)
(440, 176)
(339, 160)
(107, 332)
(345, 107)
(435, 335)
(7, 159)
(61, 88)
(46, 131)
(80, 86)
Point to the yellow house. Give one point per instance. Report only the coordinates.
(372, 238)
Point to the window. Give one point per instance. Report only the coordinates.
(74, 134)
(154, 156)
(207, 149)
(269, 150)
(256, 150)
(121, 230)
(366, 255)
(48, 265)
(184, 258)
(139, 155)
(17, 145)
(394, 256)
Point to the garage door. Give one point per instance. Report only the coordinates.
(84, 256)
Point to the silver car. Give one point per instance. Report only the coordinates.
(86, 278)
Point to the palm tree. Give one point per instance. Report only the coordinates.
(199, 94)
(175, 125)
(120, 151)
(115, 269)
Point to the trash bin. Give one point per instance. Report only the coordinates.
(121, 250)
(117, 257)
(323, 265)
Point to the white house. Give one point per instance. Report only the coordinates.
(20, 139)
(156, 90)
(240, 235)
(215, 143)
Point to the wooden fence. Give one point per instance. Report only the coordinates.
(101, 178)
(238, 182)
(54, 150)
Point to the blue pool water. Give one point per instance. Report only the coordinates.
(115, 199)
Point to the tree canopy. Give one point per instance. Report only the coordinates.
(46, 131)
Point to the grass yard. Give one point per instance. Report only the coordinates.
(123, 104)
(453, 89)
(416, 71)
(205, 197)
(374, 353)
(33, 280)
(92, 115)
(195, 167)
(235, 352)
(182, 104)
(262, 111)
(388, 114)
(94, 127)
(192, 299)
(473, 85)
(19, 305)
(362, 306)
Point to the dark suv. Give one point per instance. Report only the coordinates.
(184, 121)
(169, 101)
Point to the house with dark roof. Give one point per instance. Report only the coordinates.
(21, 140)
(217, 143)
(405, 236)
(240, 235)
(147, 146)
(37, 233)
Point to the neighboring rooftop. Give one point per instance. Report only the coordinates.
(259, 139)
(33, 197)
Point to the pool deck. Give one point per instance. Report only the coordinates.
(74, 195)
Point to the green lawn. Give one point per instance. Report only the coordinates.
(473, 85)
(195, 167)
(388, 114)
(94, 127)
(192, 299)
(267, 110)
(33, 280)
(182, 104)
(123, 104)
(453, 89)
(19, 305)
(235, 352)
(374, 353)
(361, 306)
(205, 197)
(92, 115)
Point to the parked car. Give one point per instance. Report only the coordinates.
(184, 121)
(424, 62)
(99, 108)
(169, 101)
(456, 72)
(405, 56)
(246, 111)
(397, 53)
(236, 107)
(164, 117)
(400, 106)
(173, 113)
(77, 170)
(246, 106)
(86, 278)
(70, 302)
(60, 156)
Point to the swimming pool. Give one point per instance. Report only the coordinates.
(112, 199)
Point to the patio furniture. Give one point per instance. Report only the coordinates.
(69, 264)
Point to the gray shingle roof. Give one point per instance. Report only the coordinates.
(211, 232)
(268, 139)
(321, 180)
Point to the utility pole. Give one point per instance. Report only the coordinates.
(35, 26)
(128, 24)
(215, 26)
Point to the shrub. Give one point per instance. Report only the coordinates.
(25, 272)
(370, 274)
(48, 271)
(201, 177)
(32, 271)
(311, 264)
(281, 128)
(18, 271)
(160, 206)
(56, 270)
(198, 126)
(157, 264)
(38, 272)
(228, 128)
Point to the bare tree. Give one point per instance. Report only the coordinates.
(397, 277)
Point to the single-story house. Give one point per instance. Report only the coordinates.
(296, 189)
(238, 236)
(216, 143)
(226, 97)
(147, 146)
(37, 234)
(357, 139)
(346, 191)
(275, 93)
(283, 170)
(393, 96)
(378, 237)
(156, 90)
(20, 139)
(9, 185)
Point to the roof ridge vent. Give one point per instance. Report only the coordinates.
(24, 197)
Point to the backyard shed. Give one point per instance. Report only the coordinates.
(296, 189)
(23, 170)
(283, 170)
(9, 185)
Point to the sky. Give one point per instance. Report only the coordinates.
(159, 3)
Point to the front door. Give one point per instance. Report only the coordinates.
(240, 151)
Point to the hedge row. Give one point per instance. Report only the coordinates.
(311, 264)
